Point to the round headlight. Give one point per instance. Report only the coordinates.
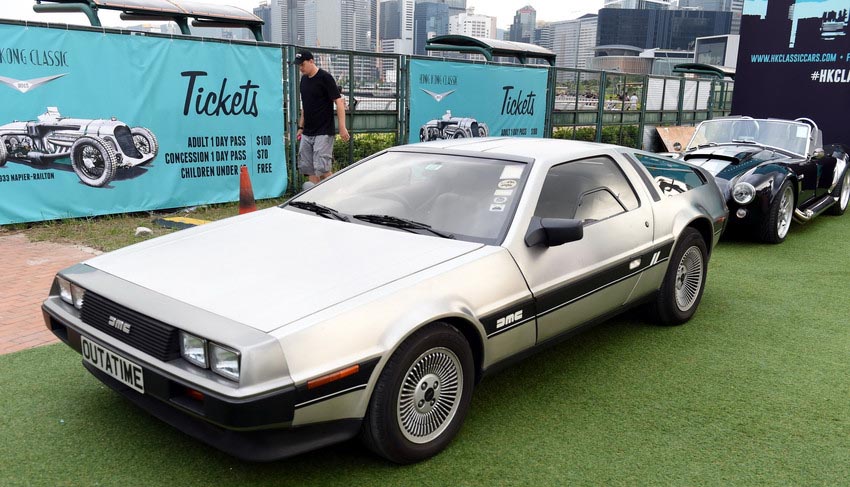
(743, 193)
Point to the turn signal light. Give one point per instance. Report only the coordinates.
(335, 376)
(196, 395)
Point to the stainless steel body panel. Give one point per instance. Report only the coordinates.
(300, 296)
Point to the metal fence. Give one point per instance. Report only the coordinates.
(598, 106)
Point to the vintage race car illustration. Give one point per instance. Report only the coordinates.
(449, 127)
(439, 263)
(97, 148)
(772, 171)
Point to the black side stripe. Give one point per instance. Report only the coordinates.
(330, 396)
(518, 314)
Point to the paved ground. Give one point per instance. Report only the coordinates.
(28, 269)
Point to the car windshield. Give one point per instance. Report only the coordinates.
(790, 136)
(467, 198)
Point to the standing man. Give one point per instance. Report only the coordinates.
(319, 93)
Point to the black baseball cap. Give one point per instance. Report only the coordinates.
(303, 56)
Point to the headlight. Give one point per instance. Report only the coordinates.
(743, 193)
(193, 349)
(78, 294)
(224, 361)
(65, 290)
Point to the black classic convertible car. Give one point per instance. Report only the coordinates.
(772, 171)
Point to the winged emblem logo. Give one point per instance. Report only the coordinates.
(26, 85)
(438, 97)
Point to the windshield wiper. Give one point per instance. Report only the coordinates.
(318, 209)
(402, 223)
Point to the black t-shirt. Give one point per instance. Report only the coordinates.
(317, 96)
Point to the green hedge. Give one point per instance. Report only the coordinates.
(626, 135)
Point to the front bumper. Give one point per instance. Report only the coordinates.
(255, 428)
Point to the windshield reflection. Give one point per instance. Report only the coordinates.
(470, 198)
(790, 136)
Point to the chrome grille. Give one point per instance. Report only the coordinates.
(145, 333)
(125, 141)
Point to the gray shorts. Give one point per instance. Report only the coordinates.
(316, 154)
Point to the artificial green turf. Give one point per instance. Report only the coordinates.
(754, 390)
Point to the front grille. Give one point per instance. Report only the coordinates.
(125, 141)
(145, 333)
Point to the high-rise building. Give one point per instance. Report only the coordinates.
(355, 24)
(397, 24)
(573, 41)
(473, 25)
(543, 35)
(638, 4)
(431, 19)
(737, 12)
(663, 29)
(323, 24)
(525, 21)
(456, 7)
(286, 21)
(264, 12)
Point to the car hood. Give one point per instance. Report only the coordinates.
(273, 267)
(729, 161)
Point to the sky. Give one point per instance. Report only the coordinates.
(503, 10)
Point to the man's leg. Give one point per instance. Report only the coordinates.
(306, 153)
(323, 148)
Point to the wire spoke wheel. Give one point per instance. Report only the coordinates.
(689, 278)
(93, 163)
(430, 395)
(786, 209)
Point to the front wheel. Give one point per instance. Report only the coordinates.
(145, 141)
(775, 227)
(684, 282)
(843, 193)
(93, 160)
(421, 397)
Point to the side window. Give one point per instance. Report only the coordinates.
(589, 189)
(672, 177)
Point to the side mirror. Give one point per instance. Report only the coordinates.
(677, 146)
(818, 153)
(551, 232)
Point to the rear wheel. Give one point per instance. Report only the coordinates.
(775, 227)
(93, 160)
(684, 282)
(421, 397)
(843, 193)
(4, 154)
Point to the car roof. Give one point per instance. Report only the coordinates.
(517, 148)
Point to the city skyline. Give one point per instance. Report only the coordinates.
(503, 10)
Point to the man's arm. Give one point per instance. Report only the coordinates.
(300, 124)
(340, 115)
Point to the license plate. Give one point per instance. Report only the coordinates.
(113, 364)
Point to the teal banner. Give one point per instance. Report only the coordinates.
(97, 123)
(451, 100)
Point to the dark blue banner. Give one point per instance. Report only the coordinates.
(794, 61)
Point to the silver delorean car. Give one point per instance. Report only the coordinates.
(374, 302)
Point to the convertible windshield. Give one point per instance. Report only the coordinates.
(466, 198)
(790, 136)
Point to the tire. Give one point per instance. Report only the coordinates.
(4, 154)
(775, 227)
(145, 141)
(684, 282)
(842, 191)
(437, 354)
(423, 135)
(93, 160)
